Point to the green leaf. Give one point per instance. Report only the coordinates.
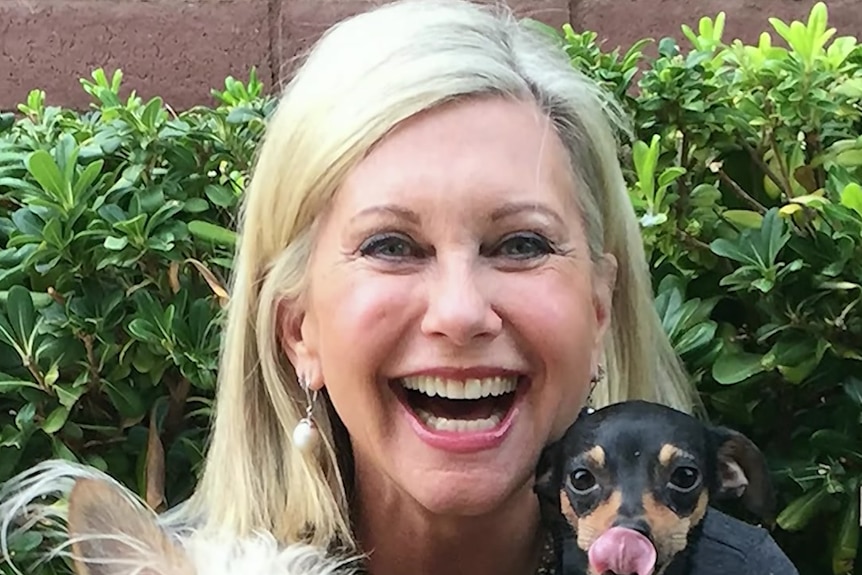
(61, 451)
(25, 416)
(87, 177)
(669, 175)
(27, 222)
(797, 356)
(8, 384)
(53, 233)
(803, 509)
(836, 443)
(21, 313)
(24, 542)
(162, 215)
(734, 366)
(730, 250)
(7, 335)
(220, 196)
(44, 169)
(850, 88)
(212, 233)
(846, 545)
(744, 218)
(765, 285)
(851, 197)
(126, 400)
(645, 159)
(696, 337)
(773, 236)
(196, 205)
(852, 386)
(66, 154)
(133, 226)
(849, 158)
(116, 244)
(129, 178)
(733, 251)
(68, 394)
(55, 421)
(151, 113)
(145, 331)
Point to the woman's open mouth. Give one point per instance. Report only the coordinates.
(450, 407)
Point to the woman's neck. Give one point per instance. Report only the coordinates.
(401, 537)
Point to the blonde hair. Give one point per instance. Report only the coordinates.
(365, 76)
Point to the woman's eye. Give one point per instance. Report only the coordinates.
(389, 246)
(524, 246)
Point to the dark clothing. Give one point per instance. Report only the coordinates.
(726, 546)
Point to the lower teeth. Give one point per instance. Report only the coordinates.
(459, 425)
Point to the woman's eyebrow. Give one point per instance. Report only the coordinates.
(387, 209)
(515, 208)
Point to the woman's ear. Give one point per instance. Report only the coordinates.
(604, 283)
(296, 336)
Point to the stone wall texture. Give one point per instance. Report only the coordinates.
(180, 49)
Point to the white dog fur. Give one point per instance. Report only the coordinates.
(111, 532)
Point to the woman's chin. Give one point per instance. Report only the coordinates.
(469, 484)
(467, 496)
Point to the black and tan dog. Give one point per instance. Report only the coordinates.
(631, 483)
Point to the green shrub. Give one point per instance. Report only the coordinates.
(116, 224)
(745, 170)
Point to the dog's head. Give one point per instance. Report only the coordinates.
(113, 534)
(633, 482)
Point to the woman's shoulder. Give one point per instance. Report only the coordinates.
(728, 545)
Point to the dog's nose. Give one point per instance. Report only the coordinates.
(635, 524)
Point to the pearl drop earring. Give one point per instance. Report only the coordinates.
(594, 380)
(306, 435)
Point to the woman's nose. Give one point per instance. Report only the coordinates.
(459, 305)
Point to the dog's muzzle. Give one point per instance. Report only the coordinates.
(623, 551)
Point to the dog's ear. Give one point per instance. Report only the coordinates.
(742, 473)
(111, 535)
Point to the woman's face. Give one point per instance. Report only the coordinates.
(453, 312)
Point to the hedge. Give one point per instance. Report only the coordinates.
(745, 171)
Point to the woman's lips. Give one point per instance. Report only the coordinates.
(461, 415)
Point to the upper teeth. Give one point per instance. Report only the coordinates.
(467, 389)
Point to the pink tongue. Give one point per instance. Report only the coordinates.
(623, 552)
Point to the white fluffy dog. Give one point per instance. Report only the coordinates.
(110, 532)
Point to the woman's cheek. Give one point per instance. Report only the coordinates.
(365, 314)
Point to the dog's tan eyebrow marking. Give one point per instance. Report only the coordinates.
(670, 452)
(597, 455)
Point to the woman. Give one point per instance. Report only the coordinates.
(438, 265)
(437, 213)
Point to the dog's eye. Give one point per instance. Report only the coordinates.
(582, 480)
(684, 478)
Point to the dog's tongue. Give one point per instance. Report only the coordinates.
(622, 551)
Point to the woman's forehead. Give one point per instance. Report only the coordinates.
(480, 150)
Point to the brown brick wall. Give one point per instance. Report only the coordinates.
(180, 49)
